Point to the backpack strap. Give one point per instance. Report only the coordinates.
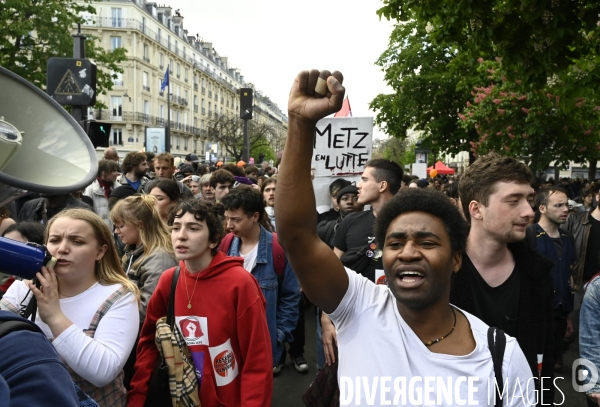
(497, 345)
(7, 327)
(103, 309)
(278, 256)
(226, 243)
(171, 307)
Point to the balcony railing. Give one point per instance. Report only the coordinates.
(196, 87)
(147, 88)
(203, 90)
(210, 93)
(196, 108)
(203, 110)
(118, 82)
(161, 66)
(147, 59)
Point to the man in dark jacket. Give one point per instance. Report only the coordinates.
(44, 208)
(502, 280)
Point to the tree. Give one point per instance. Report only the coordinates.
(229, 132)
(33, 31)
(552, 123)
(535, 39)
(432, 83)
(395, 149)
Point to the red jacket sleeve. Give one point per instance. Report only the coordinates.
(255, 346)
(147, 353)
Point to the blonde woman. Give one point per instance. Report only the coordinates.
(86, 305)
(148, 251)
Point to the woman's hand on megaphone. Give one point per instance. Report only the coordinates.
(48, 301)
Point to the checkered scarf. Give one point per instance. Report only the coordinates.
(182, 376)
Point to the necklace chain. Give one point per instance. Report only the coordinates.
(194, 290)
(429, 343)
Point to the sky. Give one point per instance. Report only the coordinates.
(270, 41)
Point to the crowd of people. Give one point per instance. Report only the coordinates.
(487, 275)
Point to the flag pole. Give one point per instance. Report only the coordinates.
(168, 133)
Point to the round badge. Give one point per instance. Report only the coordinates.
(373, 246)
(370, 253)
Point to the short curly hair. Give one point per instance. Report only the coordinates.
(428, 201)
(132, 160)
(207, 211)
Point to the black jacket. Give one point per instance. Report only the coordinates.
(536, 308)
(32, 210)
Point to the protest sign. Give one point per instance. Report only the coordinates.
(342, 147)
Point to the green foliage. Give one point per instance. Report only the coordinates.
(554, 122)
(431, 85)
(395, 149)
(33, 31)
(533, 38)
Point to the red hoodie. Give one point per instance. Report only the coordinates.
(227, 321)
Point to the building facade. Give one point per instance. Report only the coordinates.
(203, 86)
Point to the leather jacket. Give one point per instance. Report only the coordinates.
(579, 225)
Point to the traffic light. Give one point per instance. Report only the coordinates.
(99, 133)
(246, 103)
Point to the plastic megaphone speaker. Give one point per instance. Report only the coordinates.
(42, 148)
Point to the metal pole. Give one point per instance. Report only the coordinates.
(78, 112)
(246, 149)
(168, 133)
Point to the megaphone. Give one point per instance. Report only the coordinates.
(23, 259)
(42, 148)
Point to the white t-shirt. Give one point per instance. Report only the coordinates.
(250, 258)
(100, 359)
(383, 362)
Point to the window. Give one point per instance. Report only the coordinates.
(176, 48)
(169, 42)
(185, 143)
(146, 53)
(145, 80)
(195, 78)
(115, 42)
(159, 37)
(171, 66)
(161, 60)
(161, 111)
(117, 17)
(117, 136)
(184, 53)
(146, 107)
(178, 69)
(185, 74)
(116, 106)
(118, 81)
(185, 95)
(144, 25)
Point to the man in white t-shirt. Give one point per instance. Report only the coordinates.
(244, 212)
(404, 344)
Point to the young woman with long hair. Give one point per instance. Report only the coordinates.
(167, 194)
(148, 250)
(86, 304)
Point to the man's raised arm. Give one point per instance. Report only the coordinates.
(320, 272)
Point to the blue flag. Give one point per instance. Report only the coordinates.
(165, 81)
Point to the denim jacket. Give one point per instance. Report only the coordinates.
(282, 299)
(589, 328)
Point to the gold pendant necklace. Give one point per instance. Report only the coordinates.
(188, 294)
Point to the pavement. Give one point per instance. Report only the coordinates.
(290, 385)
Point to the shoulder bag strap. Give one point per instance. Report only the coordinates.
(497, 345)
(171, 307)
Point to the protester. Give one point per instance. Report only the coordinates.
(164, 168)
(111, 153)
(100, 189)
(148, 251)
(167, 196)
(502, 280)
(135, 167)
(221, 182)
(5, 219)
(194, 185)
(86, 304)
(587, 200)
(268, 192)
(409, 330)
(208, 193)
(224, 304)
(589, 334)
(334, 188)
(556, 244)
(244, 208)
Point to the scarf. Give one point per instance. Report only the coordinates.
(106, 186)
